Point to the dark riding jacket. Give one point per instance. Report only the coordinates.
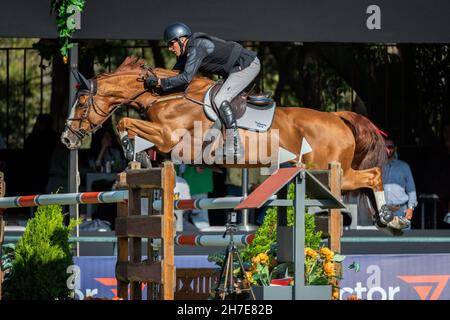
(209, 55)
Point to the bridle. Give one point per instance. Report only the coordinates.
(90, 103)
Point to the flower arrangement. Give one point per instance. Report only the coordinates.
(321, 268)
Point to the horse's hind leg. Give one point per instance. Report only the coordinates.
(369, 178)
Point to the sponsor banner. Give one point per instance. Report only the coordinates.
(380, 277)
(398, 277)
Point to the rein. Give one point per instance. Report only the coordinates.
(91, 92)
(168, 98)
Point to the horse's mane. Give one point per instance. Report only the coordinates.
(135, 64)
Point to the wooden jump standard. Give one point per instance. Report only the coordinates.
(131, 226)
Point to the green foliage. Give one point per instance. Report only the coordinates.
(266, 235)
(41, 258)
(6, 259)
(66, 26)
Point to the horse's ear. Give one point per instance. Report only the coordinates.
(84, 83)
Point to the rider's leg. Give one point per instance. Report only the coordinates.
(234, 84)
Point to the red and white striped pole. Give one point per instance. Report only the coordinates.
(64, 199)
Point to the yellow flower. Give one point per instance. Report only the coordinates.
(249, 278)
(310, 253)
(263, 258)
(335, 294)
(326, 253)
(328, 268)
(256, 260)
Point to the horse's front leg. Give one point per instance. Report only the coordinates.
(161, 135)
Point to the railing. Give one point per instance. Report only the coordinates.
(425, 201)
(22, 106)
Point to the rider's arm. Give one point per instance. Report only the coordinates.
(195, 55)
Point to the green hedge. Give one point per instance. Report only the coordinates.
(41, 258)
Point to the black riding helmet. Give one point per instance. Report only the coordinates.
(175, 31)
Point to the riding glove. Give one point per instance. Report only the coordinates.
(151, 82)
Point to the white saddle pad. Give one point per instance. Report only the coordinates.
(255, 118)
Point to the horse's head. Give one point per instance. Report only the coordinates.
(86, 114)
(96, 101)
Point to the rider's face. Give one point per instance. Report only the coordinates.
(174, 46)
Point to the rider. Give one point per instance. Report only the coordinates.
(199, 51)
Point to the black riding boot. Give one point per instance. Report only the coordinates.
(230, 123)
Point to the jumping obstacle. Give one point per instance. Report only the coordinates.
(309, 192)
(64, 199)
(213, 240)
(131, 226)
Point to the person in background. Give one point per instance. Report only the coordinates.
(399, 186)
(105, 153)
(200, 181)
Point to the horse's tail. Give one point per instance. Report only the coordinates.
(370, 149)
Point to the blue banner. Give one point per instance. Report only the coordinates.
(397, 277)
(380, 277)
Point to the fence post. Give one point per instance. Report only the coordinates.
(335, 226)
(2, 228)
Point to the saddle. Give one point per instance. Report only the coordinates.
(239, 103)
(252, 111)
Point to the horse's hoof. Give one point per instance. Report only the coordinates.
(399, 223)
(385, 215)
(128, 148)
(144, 159)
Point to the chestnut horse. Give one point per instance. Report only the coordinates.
(346, 137)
